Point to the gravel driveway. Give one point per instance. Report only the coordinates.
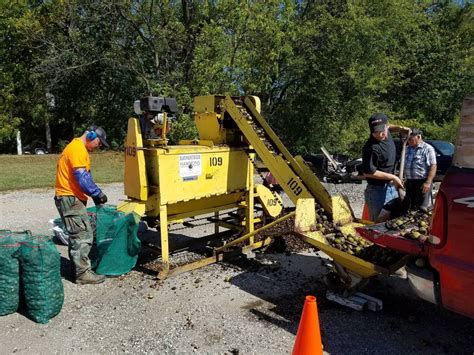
(251, 306)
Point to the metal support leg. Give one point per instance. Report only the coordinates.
(216, 224)
(249, 222)
(164, 241)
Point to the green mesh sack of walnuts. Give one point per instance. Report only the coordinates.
(41, 278)
(10, 242)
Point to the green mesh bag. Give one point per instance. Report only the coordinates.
(41, 278)
(10, 242)
(116, 240)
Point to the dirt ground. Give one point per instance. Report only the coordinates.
(251, 306)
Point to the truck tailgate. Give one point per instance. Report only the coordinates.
(379, 234)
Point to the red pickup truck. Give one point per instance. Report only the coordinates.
(444, 269)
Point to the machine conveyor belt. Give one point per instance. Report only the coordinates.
(296, 179)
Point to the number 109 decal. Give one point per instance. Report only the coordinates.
(295, 186)
(215, 161)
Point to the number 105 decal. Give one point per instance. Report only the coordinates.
(272, 202)
(295, 186)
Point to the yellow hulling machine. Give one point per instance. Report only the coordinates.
(169, 183)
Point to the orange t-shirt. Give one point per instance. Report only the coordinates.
(74, 156)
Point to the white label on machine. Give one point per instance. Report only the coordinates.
(190, 166)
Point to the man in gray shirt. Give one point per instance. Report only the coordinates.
(420, 170)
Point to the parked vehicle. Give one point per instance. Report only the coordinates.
(335, 168)
(351, 170)
(443, 268)
(35, 147)
(444, 155)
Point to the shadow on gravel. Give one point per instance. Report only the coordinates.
(282, 281)
(406, 325)
(183, 249)
(66, 269)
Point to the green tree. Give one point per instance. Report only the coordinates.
(357, 58)
(320, 68)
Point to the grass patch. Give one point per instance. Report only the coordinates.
(39, 171)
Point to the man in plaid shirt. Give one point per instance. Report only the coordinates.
(420, 170)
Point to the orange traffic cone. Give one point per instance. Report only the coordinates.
(365, 212)
(308, 337)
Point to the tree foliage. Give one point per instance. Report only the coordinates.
(320, 68)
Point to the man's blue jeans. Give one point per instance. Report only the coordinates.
(376, 196)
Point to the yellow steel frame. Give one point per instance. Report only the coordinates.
(135, 180)
(306, 218)
(272, 203)
(298, 166)
(288, 170)
(213, 259)
(251, 234)
(293, 175)
(165, 218)
(155, 191)
(147, 197)
(151, 164)
(276, 164)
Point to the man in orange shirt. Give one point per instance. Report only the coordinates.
(74, 183)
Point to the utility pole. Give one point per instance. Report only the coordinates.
(51, 102)
(18, 143)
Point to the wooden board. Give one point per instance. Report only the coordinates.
(464, 154)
